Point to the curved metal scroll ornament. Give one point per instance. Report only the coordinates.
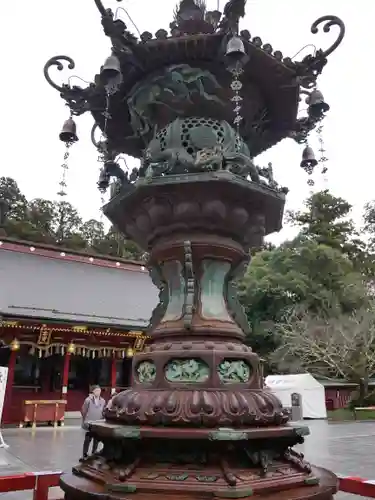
(56, 61)
(101, 8)
(78, 99)
(312, 65)
(330, 21)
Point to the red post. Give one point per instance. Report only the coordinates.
(44, 482)
(113, 376)
(8, 390)
(65, 375)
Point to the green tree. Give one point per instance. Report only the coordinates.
(317, 277)
(13, 200)
(267, 245)
(56, 223)
(117, 245)
(92, 231)
(14, 212)
(47, 221)
(369, 224)
(24, 230)
(326, 220)
(130, 250)
(42, 214)
(67, 226)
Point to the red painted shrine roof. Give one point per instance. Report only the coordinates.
(45, 282)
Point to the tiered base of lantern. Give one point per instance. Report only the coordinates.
(197, 383)
(197, 422)
(150, 462)
(199, 408)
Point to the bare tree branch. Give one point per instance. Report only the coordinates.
(343, 346)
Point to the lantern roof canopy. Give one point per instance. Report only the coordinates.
(196, 45)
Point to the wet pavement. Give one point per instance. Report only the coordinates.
(345, 448)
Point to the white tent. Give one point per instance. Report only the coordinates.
(311, 391)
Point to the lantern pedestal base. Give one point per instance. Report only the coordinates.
(80, 488)
(210, 408)
(150, 462)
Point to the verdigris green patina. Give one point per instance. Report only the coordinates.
(187, 370)
(195, 144)
(212, 286)
(146, 371)
(173, 274)
(171, 90)
(231, 295)
(233, 371)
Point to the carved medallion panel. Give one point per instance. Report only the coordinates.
(168, 365)
(192, 370)
(146, 372)
(234, 371)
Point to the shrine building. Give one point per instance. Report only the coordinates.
(69, 320)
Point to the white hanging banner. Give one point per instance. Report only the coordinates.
(3, 385)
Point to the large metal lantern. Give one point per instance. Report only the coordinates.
(196, 106)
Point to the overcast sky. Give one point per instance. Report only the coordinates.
(33, 113)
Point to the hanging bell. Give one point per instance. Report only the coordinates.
(317, 105)
(110, 169)
(69, 131)
(110, 70)
(103, 181)
(308, 160)
(235, 50)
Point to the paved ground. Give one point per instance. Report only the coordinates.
(344, 448)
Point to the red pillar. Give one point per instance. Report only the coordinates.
(113, 375)
(65, 375)
(8, 390)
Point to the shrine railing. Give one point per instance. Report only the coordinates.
(38, 482)
(41, 482)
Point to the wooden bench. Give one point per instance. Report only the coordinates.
(364, 408)
(43, 411)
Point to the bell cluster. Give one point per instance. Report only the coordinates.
(317, 108)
